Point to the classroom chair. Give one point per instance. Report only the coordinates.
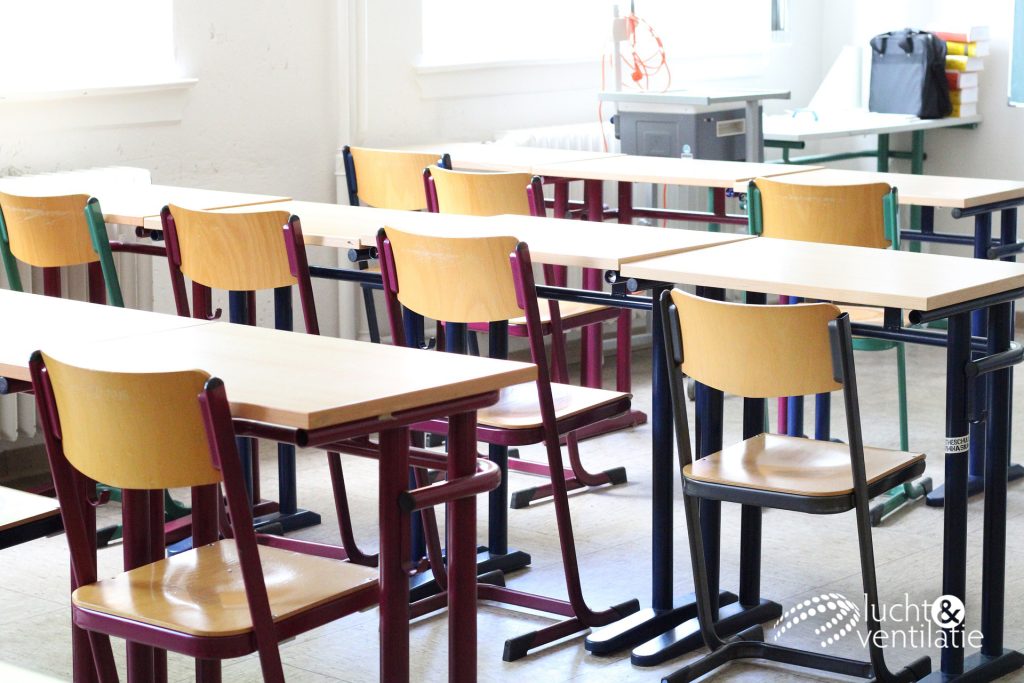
(429, 275)
(493, 194)
(57, 232)
(223, 598)
(385, 179)
(747, 350)
(864, 215)
(54, 232)
(245, 253)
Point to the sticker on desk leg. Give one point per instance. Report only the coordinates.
(958, 444)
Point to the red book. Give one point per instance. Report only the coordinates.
(959, 80)
(974, 34)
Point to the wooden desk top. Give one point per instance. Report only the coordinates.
(18, 507)
(131, 203)
(607, 246)
(803, 127)
(347, 227)
(666, 171)
(32, 320)
(300, 380)
(554, 241)
(483, 156)
(874, 277)
(918, 190)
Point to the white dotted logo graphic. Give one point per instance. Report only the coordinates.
(948, 611)
(839, 615)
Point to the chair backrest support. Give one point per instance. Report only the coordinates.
(755, 351)
(474, 193)
(132, 430)
(854, 215)
(387, 179)
(454, 279)
(231, 251)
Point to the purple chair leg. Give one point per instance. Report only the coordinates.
(394, 556)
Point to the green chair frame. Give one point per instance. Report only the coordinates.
(101, 245)
(904, 493)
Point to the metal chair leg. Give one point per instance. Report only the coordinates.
(371, 314)
(348, 539)
(579, 477)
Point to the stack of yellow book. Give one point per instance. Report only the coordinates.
(964, 59)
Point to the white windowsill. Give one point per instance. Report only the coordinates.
(478, 79)
(67, 92)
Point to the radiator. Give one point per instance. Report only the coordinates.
(592, 137)
(587, 137)
(17, 412)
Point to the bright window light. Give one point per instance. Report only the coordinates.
(471, 31)
(61, 44)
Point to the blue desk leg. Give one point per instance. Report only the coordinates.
(238, 313)
(979, 326)
(1008, 235)
(289, 516)
(993, 661)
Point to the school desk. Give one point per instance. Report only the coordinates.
(488, 156)
(313, 391)
(979, 198)
(131, 203)
(26, 516)
(552, 241)
(788, 132)
(719, 176)
(932, 287)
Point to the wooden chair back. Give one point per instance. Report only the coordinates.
(454, 279)
(48, 232)
(132, 430)
(481, 194)
(852, 215)
(231, 251)
(389, 179)
(756, 351)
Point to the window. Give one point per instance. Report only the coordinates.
(50, 45)
(471, 31)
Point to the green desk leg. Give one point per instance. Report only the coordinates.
(883, 153)
(916, 168)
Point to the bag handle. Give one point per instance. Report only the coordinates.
(905, 42)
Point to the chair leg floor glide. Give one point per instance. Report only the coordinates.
(750, 645)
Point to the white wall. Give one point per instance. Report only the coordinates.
(991, 151)
(397, 105)
(264, 116)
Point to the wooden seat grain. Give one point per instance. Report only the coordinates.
(518, 407)
(567, 311)
(794, 465)
(201, 593)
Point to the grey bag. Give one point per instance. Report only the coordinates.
(908, 74)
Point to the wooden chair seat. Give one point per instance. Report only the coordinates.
(794, 465)
(569, 310)
(201, 592)
(518, 406)
(870, 315)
